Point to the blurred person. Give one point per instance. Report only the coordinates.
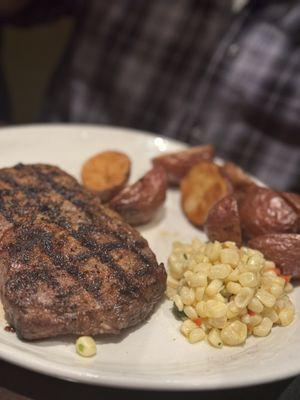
(202, 71)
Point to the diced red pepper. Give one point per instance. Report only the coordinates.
(276, 270)
(251, 313)
(198, 321)
(287, 278)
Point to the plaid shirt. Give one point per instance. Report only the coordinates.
(202, 71)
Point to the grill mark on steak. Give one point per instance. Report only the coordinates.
(54, 224)
(29, 239)
(23, 247)
(32, 237)
(28, 278)
(70, 195)
(98, 251)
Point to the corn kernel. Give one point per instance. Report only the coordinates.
(265, 297)
(232, 310)
(219, 271)
(214, 338)
(199, 293)
(187, 296)
(270, 313)
(86, 346)
(176, 269)
(288, 288)
(255, 262)
(213, 251)
(190, 312)
(275, 290)
(248, 279)
(264, 328)
(218, 322)
(234, 334)
(233, 276)
(178, 302)
(255, 305)
(170, 292)
(197, 279)
(214, 287)
(219, 297)
(286, 316)
(201, 309)
(255, 320)
(187, 326)
(233, 287)
(202, 267)
(196, 335)
(243, 298)
(171, 282)
(215, 309)
(229, 256)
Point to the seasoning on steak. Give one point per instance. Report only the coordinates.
(68, 265)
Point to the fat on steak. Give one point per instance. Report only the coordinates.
(69, 265)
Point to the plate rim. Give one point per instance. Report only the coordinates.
(154, 382)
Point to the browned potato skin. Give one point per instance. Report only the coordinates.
(138, 203)
(294, 201)
(178, 164)
(223, 221)
(235, 175)
(106, 173)
(281, 248)
(264, 211)
(201, 188)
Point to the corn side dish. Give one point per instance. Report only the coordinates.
(224, 293)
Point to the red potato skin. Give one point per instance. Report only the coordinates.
(281, 248)
(294, 201)
(138, 203)
(264, 211)
(106, 194)
(237, 177)
(177, 165)
(223, 221)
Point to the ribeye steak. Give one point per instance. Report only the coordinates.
(69, 265)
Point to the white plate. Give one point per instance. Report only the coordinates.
(154, 355)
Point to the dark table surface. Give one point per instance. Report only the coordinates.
(19, 384)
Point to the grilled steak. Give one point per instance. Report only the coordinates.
(68, 265)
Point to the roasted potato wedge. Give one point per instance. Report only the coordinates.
(236, 176)
(201, 188)
(138, 203)
(106, 173)
(264, 211)
(294, 201)
(178, 164)
(281, 248)
(223, 221)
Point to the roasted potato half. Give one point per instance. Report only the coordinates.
(138, 203)
(223, 221)
(178, 164)
(264, 211)
(281, 248)
(201, 188)
(294, 201)
(106, 173)
(237, 177)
